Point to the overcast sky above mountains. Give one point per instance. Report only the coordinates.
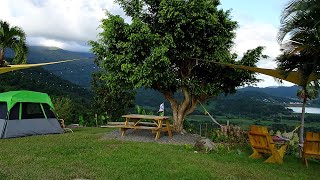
(69, 24)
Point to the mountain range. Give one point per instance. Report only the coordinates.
(79, 72)
(280, 91)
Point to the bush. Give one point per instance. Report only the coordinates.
(229, 134)
(293, 147)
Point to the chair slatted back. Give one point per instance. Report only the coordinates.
(312, 143)
(260, 139)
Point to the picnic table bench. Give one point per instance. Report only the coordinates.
(157, 125)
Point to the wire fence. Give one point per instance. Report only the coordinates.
(212, 130)
(202, 129)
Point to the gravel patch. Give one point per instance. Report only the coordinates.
(141, 135)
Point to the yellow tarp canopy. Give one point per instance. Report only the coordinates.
(25, 66)
(293, 77)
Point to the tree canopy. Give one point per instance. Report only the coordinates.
(170, 46)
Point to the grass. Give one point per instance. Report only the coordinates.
(85, 154)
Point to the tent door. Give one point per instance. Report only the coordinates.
(2, 127)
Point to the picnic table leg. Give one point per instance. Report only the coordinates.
(126, 122)
(123, 131)
(168, 128)
(159, 129)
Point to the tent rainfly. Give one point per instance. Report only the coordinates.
(27, 113)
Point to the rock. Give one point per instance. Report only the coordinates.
(73, 126)
(205, 144)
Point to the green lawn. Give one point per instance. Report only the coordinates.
(85, 154)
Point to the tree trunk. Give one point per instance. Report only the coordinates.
(178, 122)
(181, 110)
(110, 117)
(301, 133)
(2, 61)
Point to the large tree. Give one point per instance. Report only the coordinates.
(299, 36)
(303, 63)
(15, 39)
(170, 46)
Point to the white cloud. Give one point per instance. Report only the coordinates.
(69, 45)
(253, 34)
(62, 23)
(258, 30)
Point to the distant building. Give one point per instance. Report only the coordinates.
(265, 100)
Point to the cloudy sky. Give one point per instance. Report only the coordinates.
(69, 24)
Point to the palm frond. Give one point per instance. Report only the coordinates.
(14, 38)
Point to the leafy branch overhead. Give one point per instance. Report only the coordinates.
(161, 46)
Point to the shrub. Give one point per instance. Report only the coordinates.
(230, 134)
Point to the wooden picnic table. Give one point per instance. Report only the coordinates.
(159, 124)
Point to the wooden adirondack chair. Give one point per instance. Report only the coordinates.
(262, 143)
(311, 146)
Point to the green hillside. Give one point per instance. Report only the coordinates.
(39, 79)
(251, 103)
(78, 72)
(69, 99)
(281, 91)
(245, 103)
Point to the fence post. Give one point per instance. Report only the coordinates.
(200, 129)
(206, 133)
(96, 118)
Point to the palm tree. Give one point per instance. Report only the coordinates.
(299, 36)
(300, 27)
(302, 63)
(15, 39)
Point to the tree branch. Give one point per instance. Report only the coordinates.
(186, 102)
(193, 106)
(169, 96)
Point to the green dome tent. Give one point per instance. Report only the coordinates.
(27, 113)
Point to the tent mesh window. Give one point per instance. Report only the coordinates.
(48, 111)
(14, 112)
(32, 111)
(3, 110)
